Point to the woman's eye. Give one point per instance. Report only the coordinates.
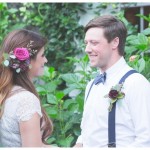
(43, 55)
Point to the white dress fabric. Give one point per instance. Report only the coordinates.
(21, 106)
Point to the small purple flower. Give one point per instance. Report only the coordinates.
(113, 94)
(24, 65)
(15, 66)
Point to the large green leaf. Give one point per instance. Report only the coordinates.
(51, 99)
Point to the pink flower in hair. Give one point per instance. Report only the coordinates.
(21, 53)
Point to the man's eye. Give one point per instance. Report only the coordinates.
(94, 43)
(85, 43)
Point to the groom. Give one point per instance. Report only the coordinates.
(127, 124)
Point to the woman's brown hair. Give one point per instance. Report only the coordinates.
(9, 77)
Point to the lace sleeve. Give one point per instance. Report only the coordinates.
(27, 106)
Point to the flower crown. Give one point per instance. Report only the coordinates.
(19, 58)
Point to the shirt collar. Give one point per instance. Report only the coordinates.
(116, 67)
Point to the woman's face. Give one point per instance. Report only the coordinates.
(37, 64)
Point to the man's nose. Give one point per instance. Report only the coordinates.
(88, 48)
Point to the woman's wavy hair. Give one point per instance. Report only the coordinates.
(9, 77)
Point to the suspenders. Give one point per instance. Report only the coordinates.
(111, 114)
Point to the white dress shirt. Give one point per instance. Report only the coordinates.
(132, 112)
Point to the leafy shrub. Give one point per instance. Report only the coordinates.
(65, 106)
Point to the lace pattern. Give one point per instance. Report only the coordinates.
(20, 106)
(27, 107)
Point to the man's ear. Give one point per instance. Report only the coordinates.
(115, 43)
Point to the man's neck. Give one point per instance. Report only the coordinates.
(112, 62)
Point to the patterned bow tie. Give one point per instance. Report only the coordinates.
(100, 78)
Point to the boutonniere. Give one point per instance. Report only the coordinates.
(114, 95)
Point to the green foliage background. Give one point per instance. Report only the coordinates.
(62, 87)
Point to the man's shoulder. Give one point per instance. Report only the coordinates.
(137, 80)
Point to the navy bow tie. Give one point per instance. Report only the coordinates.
(100, 78)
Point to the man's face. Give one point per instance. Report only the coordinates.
(98, 48)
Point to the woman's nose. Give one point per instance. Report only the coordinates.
(45, 60)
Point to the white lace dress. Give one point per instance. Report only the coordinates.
(18, 107)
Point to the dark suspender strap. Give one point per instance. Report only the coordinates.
(126, 75)
(111, 116)
(89, 91)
